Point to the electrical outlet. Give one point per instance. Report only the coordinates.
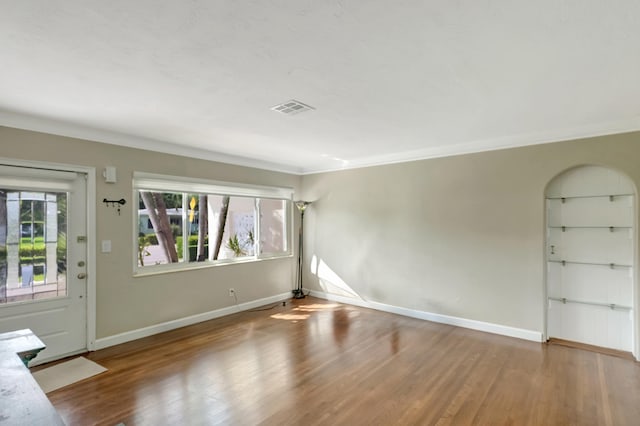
(232, 292)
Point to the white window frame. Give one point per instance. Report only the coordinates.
(143, 181)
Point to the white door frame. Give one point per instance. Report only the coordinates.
(635, 266)
(90, 172)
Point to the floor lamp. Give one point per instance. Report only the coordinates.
(298, 293)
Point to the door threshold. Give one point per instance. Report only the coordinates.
(48, 362)
(591, 348)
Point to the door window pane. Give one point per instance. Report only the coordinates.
(33, 245)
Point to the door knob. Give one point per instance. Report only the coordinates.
(82, 275)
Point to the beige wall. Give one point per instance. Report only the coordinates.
(460, 236)
(125, 303)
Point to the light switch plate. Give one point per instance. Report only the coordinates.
(106, 246)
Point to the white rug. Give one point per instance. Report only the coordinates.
(66, 373)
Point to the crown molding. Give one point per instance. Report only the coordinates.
(493, 144)
(61, 128)
(66, 129)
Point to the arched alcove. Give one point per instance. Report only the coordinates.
(590, 257)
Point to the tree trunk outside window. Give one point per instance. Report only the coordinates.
(154, 203)
(222, 220)
(203, 225)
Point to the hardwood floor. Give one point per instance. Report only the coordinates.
(317, 362)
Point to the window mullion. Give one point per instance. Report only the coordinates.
(185, 227)
(288, 233)
(256, 225)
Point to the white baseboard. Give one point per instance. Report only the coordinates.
(487, 327)
(128, 336)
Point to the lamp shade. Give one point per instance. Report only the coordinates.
(302, 205)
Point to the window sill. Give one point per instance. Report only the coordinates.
(181, 267)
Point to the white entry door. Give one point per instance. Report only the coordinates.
(590, 235)
(43, 257)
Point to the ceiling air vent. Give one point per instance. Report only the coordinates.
(292, 107)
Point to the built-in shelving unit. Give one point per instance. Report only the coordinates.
(589, 241)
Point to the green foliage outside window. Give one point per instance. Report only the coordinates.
(193, 247)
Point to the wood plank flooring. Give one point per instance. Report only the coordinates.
(315, 362)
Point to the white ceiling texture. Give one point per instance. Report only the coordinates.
(389, 80)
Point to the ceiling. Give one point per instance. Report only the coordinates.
(389, 80)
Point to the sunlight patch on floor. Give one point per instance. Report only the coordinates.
(316, 307)
(290, 317)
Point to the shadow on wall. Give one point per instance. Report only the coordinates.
(329, 281)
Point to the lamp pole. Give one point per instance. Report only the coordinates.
(298, 293)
